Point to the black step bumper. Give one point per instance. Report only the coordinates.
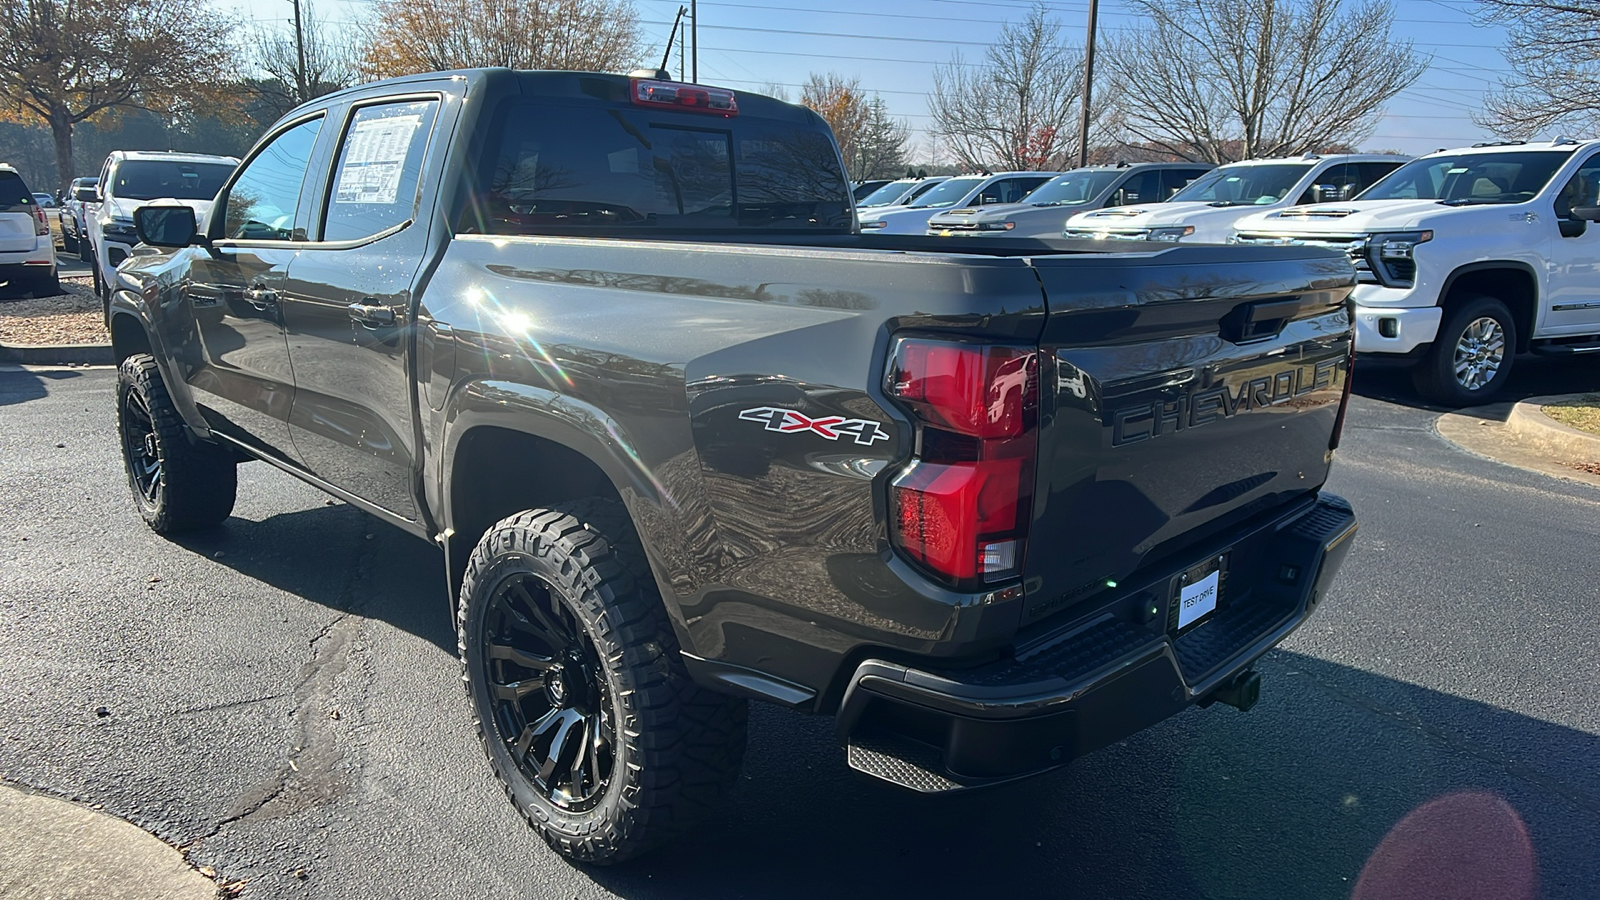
(1099, 679)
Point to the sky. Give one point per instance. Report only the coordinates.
(894, 45)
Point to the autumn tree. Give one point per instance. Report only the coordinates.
(1223, 80)
(1553, 47)
(410, 36)
(842, 104)
(1018, 108)
(328, 62)
(66, 61)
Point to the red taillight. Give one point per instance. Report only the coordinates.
(685, 97)
(41, 225)
(962, 507)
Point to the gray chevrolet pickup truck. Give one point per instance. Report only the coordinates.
(685, 437)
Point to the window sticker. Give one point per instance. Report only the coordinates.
(375, 155)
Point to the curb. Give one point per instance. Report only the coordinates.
(1531, 426)
(57, 354)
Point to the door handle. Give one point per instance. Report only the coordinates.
(261, 298)
(372, 315)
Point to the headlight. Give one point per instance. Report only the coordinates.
(1170, 235)
(1400, 245)
(996, 226)
(873, 225)
(118, 227)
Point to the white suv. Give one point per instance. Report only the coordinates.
(1466, 257)
(27, 250)
(133, 178)
(1204, 212)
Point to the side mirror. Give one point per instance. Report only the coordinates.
(165, 226)
(84, 195)
(1325, 193)
(1586, 213)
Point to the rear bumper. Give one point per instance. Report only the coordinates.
(1105, 677)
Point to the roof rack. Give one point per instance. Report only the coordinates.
(1499, 143)
(1565, 141)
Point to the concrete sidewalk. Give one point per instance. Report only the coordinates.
(58, 850)
(1520, 434)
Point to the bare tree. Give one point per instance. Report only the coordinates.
(409, 36)
(329, 63)
(1222, 80)
(1554, 50)
(65, 61)
(1018, 109)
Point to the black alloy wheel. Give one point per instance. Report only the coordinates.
(551, 704)
(141, 450)
(178, 481)
(583, 704)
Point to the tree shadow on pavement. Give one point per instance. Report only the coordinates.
(22, 385)
(325, 555)
(1531, 376)
(1287, 801)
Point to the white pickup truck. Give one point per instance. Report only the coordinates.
(1466, 257)
(1205, 211)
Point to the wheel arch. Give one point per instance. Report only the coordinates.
(1514, 283)
(563, 449)
(128, 335)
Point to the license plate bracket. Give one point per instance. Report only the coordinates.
(1197, 594)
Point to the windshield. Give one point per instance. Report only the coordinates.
(1244, 185)
(1471, 178)
(1072, 189)
(887, 194)
(948, 193)
(161, 179)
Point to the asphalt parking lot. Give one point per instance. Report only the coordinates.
(280, 698)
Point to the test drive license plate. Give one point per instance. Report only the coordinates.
(1198, 591)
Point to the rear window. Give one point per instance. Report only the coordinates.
(13, 192)
(556, 168)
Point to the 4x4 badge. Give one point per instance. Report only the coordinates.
(787, 421)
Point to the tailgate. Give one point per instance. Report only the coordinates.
(1181, 392)
(17, 230)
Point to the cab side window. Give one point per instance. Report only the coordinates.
(1581, 189)
(262, 202)
(1142, 188)
(376, 179)
(1008, 190)
(1370, 173)
(1175, 180)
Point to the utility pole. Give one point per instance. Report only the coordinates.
(300, 55)
(694, 37)
(1088, 85)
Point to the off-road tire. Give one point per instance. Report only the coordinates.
(197, 481)
(1434, 376)
(677, 747)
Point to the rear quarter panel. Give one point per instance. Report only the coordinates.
(769, 546)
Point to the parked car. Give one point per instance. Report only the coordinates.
(70, 215)
(27, 249)
(131, 178)
(1466, 258)
(1042, 213)
(964, 190)
(1205, 211)
(687, 438)
(901, 192)
(864, 188)
(45, 201)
